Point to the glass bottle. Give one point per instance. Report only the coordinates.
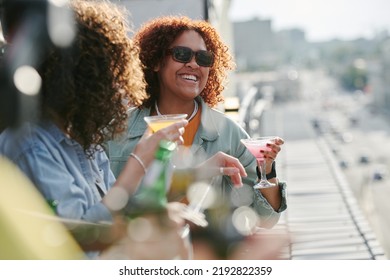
(53, 205)
(152, 195)
(151, 203)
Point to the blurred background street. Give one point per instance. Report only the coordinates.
(336, 165)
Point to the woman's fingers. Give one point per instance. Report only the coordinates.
(231, 166)
(279, 141)
(229, 161)
(229, 171)
(235, 176)
(222, 164)
(237, 164)
(273, 149)
(233, 173)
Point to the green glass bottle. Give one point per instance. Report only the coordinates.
(53, 205)
(152, 196)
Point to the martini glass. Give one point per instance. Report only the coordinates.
(254, 145)
(161, 121)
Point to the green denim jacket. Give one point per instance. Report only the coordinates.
(216, 132)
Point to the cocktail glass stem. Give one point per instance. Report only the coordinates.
(264, 183)
(263, 167)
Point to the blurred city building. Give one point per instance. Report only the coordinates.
(258, 51)
(266, 57)
(264, 49)
(380, 77)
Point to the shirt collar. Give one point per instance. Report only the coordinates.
(57, 133)
(136, 122)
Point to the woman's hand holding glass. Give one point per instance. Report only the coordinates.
(149, 142)
(144, 152)
(270, 155)
(222, 164)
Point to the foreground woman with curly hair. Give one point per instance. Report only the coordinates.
(86, 91)
(185, 66)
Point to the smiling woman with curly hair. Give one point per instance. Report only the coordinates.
(186, 65)
(164, 31)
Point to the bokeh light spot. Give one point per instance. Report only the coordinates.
(245, 220)
(201, 196)
(27, 80)
(140, 229)
(61, 25)
(116, 199)
(52, 236)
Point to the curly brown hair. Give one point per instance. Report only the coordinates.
(89, 86)
(156, 36)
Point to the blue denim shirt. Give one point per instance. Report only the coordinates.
(216, 133)
(60, 169)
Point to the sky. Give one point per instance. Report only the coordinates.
(320, 19)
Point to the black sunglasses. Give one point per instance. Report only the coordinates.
(185, 54)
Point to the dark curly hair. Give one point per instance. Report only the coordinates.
(156, 36)
(88, 87)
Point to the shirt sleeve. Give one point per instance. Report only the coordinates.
(58, 180)
(268, 216)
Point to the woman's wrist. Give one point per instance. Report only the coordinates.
(140, 162)
(269, 175)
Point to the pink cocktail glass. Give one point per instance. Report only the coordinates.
(254, 145)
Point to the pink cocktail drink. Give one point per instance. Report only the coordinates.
(255, 146)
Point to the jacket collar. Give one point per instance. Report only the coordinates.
(136, 123)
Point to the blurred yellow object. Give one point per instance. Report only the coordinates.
(181, 179)
(29, 229)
